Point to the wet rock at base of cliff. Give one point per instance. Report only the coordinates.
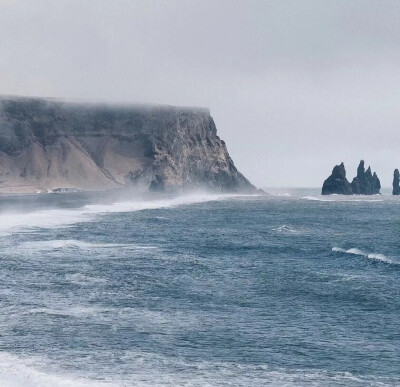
(337, 182)
(396, 182)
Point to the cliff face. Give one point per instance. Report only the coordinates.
(45, 144)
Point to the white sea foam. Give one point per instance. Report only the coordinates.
(78, 311)
(15, 372)
(34, 246)
(339, 198)
(356, 251)
(318, 199)
(379, 257)
(155, 370)
(285, 229)
(52, 218)
(362, 200)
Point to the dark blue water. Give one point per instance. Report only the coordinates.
(276, 290)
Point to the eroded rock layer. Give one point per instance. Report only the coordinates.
(45, 144)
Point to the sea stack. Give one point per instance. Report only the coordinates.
(337, 182)
(396, 182)
(365, 183)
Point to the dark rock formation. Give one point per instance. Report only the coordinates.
(45, 144)
(376, 183)
(365, 183)
(396, 182)
(337, 183)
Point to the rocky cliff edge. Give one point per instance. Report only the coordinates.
(46, 144)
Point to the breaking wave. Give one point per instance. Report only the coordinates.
(53, 218)
(15, 372)
(18, 372)
(317, 199)
(79, 311)
(41, 245)
(285, 229)
(356, 251)
(339, 198)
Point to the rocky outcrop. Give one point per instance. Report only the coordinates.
(45, 144)
(396, 182)
(376, 184)
(365, 183)
(337, 182)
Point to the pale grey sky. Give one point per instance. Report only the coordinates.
(294, 86)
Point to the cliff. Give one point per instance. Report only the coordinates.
(45, 144)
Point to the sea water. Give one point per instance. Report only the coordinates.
(287, 289)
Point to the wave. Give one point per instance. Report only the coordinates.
(59, 244)
(78, 311)
(151, 369)
(54, 218)
(315, 198)
(341, 198)
(17, 372)
(285, 229)
(356, 251)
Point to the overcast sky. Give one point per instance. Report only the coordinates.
(294, 86)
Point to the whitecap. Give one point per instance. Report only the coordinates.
(59, 244)
(379, 257)
(359, 252)
(314, 198)
(148, 369)
(78, 311)
(54, 218)
(17, 372)
(342, 198)
(285, 229)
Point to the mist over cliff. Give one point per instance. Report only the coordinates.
(46, 144)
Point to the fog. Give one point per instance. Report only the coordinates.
(294, 86)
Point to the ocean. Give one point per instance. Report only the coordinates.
(288, 289)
